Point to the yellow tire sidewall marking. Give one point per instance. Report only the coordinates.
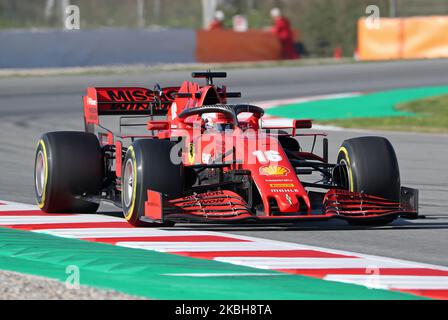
(41, 203)
(349, 168)
(128, 215)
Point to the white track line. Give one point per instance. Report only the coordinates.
(200, 246)
(314, 263)
(120, 232)
(394, 282)
(16, 206)
(295, 246)
(25, 220)
(269, 121)
(279, 102)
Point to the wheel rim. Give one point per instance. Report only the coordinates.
(128, 182)
(345, 178)
(41, 167)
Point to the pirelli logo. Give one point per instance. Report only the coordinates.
(281, 185)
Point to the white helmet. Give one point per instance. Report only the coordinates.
(216, 122)
(275, 12)
(219, 15)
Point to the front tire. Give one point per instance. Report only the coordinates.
(147, 165)
(68, 165)
(369, 165)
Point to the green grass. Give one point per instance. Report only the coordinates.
(431, 116)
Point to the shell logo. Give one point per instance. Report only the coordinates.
(274, 171)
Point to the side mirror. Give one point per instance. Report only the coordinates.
(301, 124)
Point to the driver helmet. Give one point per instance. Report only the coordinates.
(217, 122)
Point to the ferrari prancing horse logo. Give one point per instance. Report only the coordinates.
(191, 153)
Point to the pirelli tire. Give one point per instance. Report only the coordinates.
(370, 166)
(148, 165)
(68, 169)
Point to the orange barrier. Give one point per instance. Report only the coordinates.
(404, 38)
(230, 46)
(427, 37)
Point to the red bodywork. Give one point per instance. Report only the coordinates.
(283, 196)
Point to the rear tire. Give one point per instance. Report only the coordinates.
(147, 165)
(67, 165)
(371, 167)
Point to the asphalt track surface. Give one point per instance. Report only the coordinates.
(31, 106)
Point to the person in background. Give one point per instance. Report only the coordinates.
(217, 22)
(282, 29)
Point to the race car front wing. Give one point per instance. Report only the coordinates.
(227, 206)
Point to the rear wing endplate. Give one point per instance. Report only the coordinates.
(126, 101)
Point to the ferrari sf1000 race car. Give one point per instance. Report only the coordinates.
(201, 159)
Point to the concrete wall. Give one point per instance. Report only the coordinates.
(111, 46)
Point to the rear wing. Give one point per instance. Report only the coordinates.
(126, 101)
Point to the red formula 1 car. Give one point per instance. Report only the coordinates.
(203, 160)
